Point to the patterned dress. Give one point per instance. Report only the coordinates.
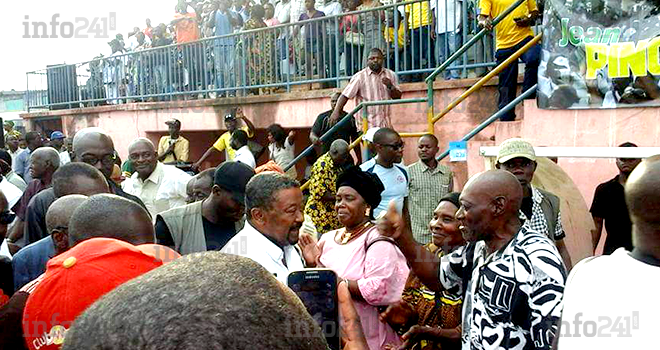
(443, 312)
(260, 53)
(324, 178)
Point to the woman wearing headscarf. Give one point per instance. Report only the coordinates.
(429, 320)
(372, 265)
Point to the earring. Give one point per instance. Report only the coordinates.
(367, 212)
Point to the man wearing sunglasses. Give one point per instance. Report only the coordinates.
(389, 150)
(94, 147)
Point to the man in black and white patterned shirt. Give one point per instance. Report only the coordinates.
(540, 208)
(512, 277)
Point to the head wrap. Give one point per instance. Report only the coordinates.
(368, 185)
(451, 198)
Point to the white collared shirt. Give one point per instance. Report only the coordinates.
(164, 189)
(252, 244)
(245, 156)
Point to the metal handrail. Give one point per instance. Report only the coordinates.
(511, 60)
(346, 118)
(493, 118)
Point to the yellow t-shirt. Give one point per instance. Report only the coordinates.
(181, 149)
(222, 143)
(418, 14)
(388, 32)
(507, 33)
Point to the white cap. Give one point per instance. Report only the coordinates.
(369, 136)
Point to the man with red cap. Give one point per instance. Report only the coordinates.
(75, 280)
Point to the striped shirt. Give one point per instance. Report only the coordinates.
(366, 85)
(427, 186)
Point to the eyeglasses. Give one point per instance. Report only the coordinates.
(394, 147)
(7, 217)
(106, 160)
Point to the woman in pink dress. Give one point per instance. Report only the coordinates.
(372, 265)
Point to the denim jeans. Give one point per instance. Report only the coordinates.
(445, 45)
(224, 66)
(422, 48)
(509, 76)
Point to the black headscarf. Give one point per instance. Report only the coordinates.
(368, 185)
(451, 198)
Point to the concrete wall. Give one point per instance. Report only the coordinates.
(202, 120)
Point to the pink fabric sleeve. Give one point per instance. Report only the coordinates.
(385, 274)
(353, 88)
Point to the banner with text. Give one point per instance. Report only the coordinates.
(600, 54)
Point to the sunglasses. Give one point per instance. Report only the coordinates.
(7, 217)
(394, 147)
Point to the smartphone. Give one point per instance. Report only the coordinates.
(317, 289)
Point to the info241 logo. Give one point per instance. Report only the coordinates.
(80, 28)
(606, 326)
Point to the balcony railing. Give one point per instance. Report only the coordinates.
(323, 51)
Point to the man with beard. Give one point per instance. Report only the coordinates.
(208, 224)
(609, 206)
(273, 204)
(512, 277)
(374, 83)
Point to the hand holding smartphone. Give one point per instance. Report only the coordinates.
(317, 289)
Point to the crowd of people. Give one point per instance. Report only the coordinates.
(88, 248)
(415, 38)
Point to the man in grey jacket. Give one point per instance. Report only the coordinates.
(211, 223)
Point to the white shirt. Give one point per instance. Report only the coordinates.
(331, 9)
(64, 158)
(610, 302)
(396, 182)
(447, 15)
(244, 156)
(10, 191)
(283, 12)
(282, 156)
(164, 189)
(252, 244)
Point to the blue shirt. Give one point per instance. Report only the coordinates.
(30, 262)
(22, 165)
(223, 27)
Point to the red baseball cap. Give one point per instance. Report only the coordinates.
(74, 280)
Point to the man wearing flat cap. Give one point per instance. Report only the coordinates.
(173, 148)
(223, 142)
(211, 223)
(540, 208)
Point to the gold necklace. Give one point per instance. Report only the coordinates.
(346, 236)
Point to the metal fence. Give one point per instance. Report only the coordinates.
(415, 36)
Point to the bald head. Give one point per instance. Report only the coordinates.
(110, 216)
(643, 195)
(57, 219)
(141, 141)
(43, 162)
(489, 201)
(94, 147)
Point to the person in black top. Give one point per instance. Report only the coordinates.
(347, 131)
(221, 214)
(609, 206)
